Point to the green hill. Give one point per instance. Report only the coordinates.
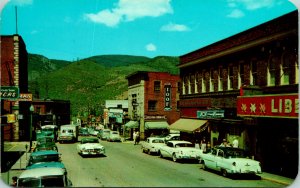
(88, 83)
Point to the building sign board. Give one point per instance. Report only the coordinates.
(9, 92)
(284, 106)
(210, 114)
(167, 97)
(25, 97)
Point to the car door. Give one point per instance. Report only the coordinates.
(210, 158)
(219, 163)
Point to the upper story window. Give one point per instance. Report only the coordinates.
(203, 82)
(156, 86)
(289, 68)
(241, 76)
(220, 80)
(272, 71)
(211, 80)
(230, 77)
(152, 105)
(192, 84)
(254, 76)
(197, 82)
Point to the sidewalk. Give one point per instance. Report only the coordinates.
(20, 165)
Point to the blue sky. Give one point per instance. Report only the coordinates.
(72, 29)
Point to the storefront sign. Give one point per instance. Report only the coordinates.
(167, 97)
(195, 102)
(25, 97)
(210, 114)
(286, 106)
(9, 92)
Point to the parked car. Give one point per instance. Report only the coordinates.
(103, 134)
(179, 150)
(172, 136)
(48, 165)
(94, 132)
(42, 146)
(229, 160)
(152, 144)
(44, 177)
(43, 156)
(90, 146)
(83, 132)
(114, 136)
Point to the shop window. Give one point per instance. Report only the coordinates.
(152, 105)
(156, 86)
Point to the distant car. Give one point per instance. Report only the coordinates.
(90, 146)
(172, 137)
(84, 132)
(229, 160)
(42, 146)
(44, 177)
(103, 134)
(94, 132)
(152, 144)
(179, 150)
(114, 136)
(43, 156)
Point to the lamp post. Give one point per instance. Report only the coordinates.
(31, 109)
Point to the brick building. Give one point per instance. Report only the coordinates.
(152, 101)
(246, 87)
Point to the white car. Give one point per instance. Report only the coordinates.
(179, 150)
(90, 146)
(114, 136)
(152, 144)
(229, 160)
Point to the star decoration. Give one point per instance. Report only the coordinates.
(253, 108)
(244, 107)
(262, 108)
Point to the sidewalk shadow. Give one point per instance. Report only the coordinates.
(9, 158)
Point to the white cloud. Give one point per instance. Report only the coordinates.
(150, 47)
(252, 4)
(129, 10)
(236, 13)
(174, 27)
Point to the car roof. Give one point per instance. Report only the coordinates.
(44, 152)
(229, 148)
(38, 172)
(46, 164)
(180, 141)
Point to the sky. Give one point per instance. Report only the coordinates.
(77, 29)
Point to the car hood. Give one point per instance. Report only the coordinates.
(46, 164)
(91, 145)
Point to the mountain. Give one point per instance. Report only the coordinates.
(89, 82)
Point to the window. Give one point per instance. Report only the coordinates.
(196, 83)
(203, 83)
(192, 83)
(288, 63)
(254, 73)
(230, 77)
(272, 71)
(220, 80)
(186, 85)
(156, 86)
(152, 105)
(211, 80)
(241, 75)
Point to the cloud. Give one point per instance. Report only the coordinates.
(252, 4)
(129, 10)
(174, 27)
(236, 13)
(150, 47)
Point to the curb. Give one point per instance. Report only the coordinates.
(276, 181)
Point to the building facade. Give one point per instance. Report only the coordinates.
(152, 101)
(246, 87)
(14, 83)
(115, 114)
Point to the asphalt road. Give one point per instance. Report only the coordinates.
(124, 165)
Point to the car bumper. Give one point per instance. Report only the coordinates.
(65, 138)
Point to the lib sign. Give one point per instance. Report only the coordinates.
(286, 106)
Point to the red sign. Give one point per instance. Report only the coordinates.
(285, 106)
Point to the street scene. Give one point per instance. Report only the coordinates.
(149, 93)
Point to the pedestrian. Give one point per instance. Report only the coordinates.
(235, 143)
(134, 137)
(224, 143)
(137, 137)
(14, 181)
(203, 145)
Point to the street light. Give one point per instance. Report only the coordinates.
(31, 109)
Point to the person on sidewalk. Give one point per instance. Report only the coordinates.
(134, 137)
(14, 181)
(137, 137)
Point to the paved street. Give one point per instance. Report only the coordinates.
(125, 165)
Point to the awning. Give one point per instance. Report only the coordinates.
(132, 124)
(188, 125)
(156, 125)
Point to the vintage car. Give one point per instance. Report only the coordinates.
(48, 165)
(84, 132)
(90, 146)
(179, 150)
(43, 156)
(42, 146)
(103, 134)
(152, 144)
(44, 177)
(229, 160)
(114, 136)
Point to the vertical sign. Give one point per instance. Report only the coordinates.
(167, 97)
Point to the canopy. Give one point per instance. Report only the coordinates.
(156, 125)
(132, 124)
(188, 125)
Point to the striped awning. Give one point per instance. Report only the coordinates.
(156, 125)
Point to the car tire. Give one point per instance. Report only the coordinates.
(149, 152)
(160, 155)
(224, 173)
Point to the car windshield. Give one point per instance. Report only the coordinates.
(90, 141)
(184, 145)
(47, 181)
(43, 158)
(235, 154)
